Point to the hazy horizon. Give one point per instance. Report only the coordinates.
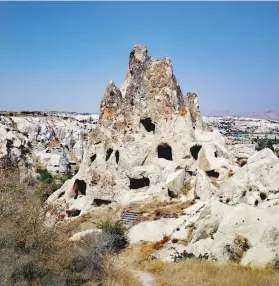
(59, 56)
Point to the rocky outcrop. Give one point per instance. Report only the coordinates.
(50, 142)
(145, 131)
(243, 234)
(151, 142)
(256, 183)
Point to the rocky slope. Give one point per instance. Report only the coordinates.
(48, 141)
(151, 142)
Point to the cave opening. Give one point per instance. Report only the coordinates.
(164, 151)
(195, 151)
(148, 124)
(93, 157)
(212, 173)
(117, 156)
(139, 183)
(101, 202)
(73, 212)
(79, 186)
(109, 152)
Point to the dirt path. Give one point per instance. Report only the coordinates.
(147, 279)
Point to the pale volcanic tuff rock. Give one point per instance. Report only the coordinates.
(151, 141)
(242, 234)
(51, 142)
(143, 137)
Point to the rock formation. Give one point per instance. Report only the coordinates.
(50, 141)
(147, 134)
(151, 141)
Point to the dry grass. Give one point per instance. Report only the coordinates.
(193, 272)
(53, 143)
(186, 189)
(215, 183)
(92, 219)
(161, 209)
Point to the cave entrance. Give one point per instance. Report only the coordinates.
(109, 152)
(116, 156)
(93, 157)
(195, 151)
(148, 124)
(164, 151)
(139, 183)
(100, 202)
(212, 173)
(79, 186)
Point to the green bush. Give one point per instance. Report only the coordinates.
(264, 143)
(50, 183)
(118, 234)
(45, 175)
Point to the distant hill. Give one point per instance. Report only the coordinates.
(269, 115)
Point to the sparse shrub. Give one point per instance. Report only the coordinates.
(118, 234)
(50, 183)
(236, 251)
(264, 143)
(45, 175)
(177, 257)
(32, 253)
(185, 190)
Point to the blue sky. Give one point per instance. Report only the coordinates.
(61, 55)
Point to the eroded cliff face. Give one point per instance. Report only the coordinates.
(50, 142)
(143, 139)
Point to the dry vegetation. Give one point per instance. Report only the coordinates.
(53, 143)
(155, 209)
(186, 189)
(193, 272)
(32, 253)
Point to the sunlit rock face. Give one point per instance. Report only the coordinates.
(145, 131)
(54, 142)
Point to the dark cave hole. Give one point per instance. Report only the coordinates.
(148, 124)
(73, 213)
(216, 154)
(61, 195)
(79, 186)
(172, 194)
(117, 156)
(109, 152)
(139, 183)
(100, 202)
(195, 151)
(212, 173)
(164, 151)
(93, 157)
(263, 196)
